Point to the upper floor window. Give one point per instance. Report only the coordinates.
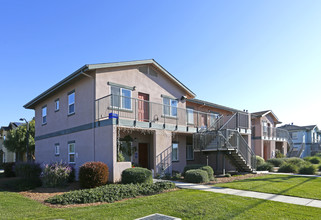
(121, 98)
(44, 114)
(57, 150)
(57, 105)
(170, 106)
(190, 115)
(294, 135)
(71, 103)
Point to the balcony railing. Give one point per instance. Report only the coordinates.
(146, 111)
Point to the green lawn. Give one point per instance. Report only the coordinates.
(186, 204)
(306, 187)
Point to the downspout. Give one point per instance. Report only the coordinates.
(94, 110)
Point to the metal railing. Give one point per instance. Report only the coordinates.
(146, 111)
(238, 120)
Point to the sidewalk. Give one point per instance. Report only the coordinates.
(251, 194)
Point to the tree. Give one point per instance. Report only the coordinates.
(16, 139)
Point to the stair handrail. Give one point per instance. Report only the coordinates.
(213, 126)
(228, 121)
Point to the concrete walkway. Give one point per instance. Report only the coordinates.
(251, 194)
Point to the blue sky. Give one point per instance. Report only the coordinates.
(253, 55)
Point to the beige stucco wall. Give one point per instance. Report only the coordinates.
(162, 144)
(59, 120)
(181, 163)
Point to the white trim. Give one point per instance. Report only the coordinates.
(72, 103)
(72, 153)
(177, 153)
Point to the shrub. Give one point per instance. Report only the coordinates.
(320, 167)
(264, 167)
(9, 169)
(56, 174)
(314, 160)
(110, 193)
(136, 175)
(72, 175)
(209, 171)
(196, 176)
(278, 154)
(298, 162)
(227, 175)
(317, 155)
(93, 174)
(191, 167)
(288, 168)
(277, 162)
(28, 170)
(259, 160)
(308, 169)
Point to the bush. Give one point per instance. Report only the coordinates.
(227, 175)
(56, 174)
(110, 193)
(308, 169)
(196, 176)
(264, 167)
(72, 175)
(191, 167)
(9, 169)
(314, 160)
(278, 154)
(320, 167)
(209, 171)
(93, 174)
(277, 162)
(259, 160)
(298, 162)
(288, 168)
(28, 170)
(317, 155)
(136, 175)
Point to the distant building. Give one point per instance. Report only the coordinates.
(5, 155)
(306, 139)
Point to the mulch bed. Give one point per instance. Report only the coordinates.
(233, 178)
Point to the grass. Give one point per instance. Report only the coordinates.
(306, 187)
(185, 204)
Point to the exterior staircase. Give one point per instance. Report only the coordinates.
(226, 138)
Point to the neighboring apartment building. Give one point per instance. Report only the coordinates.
(5, 155)
(266, 137)
(133, 113)
(306, 140)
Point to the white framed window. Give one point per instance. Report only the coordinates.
(190, 115)
(44, 115)
(57, 105)
(175, 152)
(57, 149)
(71, 103)
(189, 152)
(71, 152)
(121, 98)
(170, 106)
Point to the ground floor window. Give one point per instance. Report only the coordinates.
(189, 152)
(71, 152)
(57, 150)
(175, 152)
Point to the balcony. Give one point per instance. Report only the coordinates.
(278, 134)
(134, 112)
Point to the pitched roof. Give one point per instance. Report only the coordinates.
(266, 112)
(202, 102)
(89, 67)
(291, 127)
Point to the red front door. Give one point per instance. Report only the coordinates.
(143, 155)
(143, 107)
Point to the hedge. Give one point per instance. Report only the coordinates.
(288, 168)
(28, 170)
(196, 176)
(314, 160)
(264, 167)
(136, 175)
(110, 193)
(259, 160)
(191, 167)
(277, 162)
(209, 171)
(9, 169)
(308, 169)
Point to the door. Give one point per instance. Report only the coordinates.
(143, 155)
(143, 107)
(203, 121)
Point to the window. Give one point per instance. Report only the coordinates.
(121, 98)
(294, 135)
(175, 152)
(57, 150)
(44, 115)
(71, 103)
(190, 116)
(170, 106)
(189, 152)
(71, 152)
(57, 105)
